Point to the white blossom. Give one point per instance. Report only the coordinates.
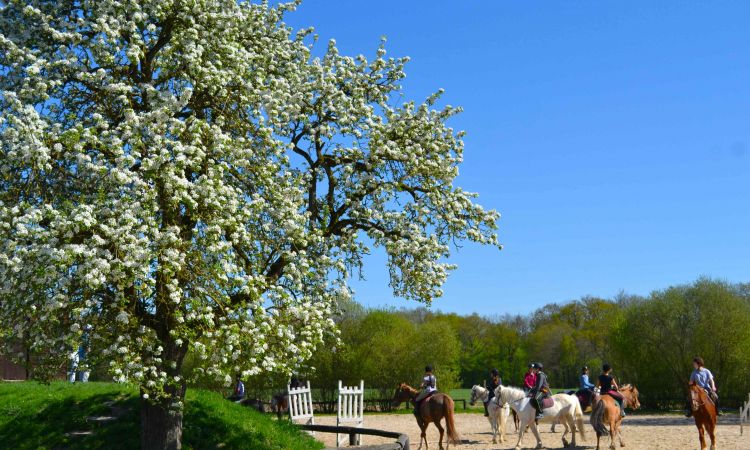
(222, 183)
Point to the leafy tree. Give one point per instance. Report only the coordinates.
(185, 176)
(660, 335)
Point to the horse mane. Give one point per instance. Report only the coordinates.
(406, 387)
(509, 394)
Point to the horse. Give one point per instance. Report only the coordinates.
(605, 410)
(280, 404)
(431, 409)
(498, 415)
(704, 413)
(566, 410)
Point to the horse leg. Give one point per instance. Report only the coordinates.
(502, 414)
(493, 424)
(612, 431)
(701, 437)
(572, 421)
(535, 430)
(440, 429)
(521, 430)
(712, 435)
(565, 430)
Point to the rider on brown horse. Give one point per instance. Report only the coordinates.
(704, 379)
(608, 385)
(429, 387)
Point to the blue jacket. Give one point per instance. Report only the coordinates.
(585, 383)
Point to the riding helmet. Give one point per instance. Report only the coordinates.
(428, 368)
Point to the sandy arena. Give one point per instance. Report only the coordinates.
(640, 432)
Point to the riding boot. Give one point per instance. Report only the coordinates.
(486, 412)
(689, 412)
(716, 404)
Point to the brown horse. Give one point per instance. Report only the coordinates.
(606, 411)
(432, 409)
(704, 413)
(280, 404)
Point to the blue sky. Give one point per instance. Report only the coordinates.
(614, 138)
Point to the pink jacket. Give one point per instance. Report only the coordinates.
(529, 381)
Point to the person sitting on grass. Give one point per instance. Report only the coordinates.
(239, 390)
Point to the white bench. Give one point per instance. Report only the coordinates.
(350, 411)
(300, 405)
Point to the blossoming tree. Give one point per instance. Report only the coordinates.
(185, 176)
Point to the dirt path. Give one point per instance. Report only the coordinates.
(641, 432)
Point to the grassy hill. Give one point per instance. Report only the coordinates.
(105, 415)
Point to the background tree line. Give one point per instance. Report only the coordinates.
(649, 340)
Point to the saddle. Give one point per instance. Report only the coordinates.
(547, 402)
(711, 396)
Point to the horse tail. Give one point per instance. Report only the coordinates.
(450, 424)
(579, 419)
(597, 419)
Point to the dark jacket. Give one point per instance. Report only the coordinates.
(492, 385)
(542, 386)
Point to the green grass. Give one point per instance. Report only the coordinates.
(37, 416)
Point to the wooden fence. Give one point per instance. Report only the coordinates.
(744, 414)
(401, 440)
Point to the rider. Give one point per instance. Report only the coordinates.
(529, 380)
(586, 391)
(705, 379)
(429, 385)
(608, 385)
(540, 391)
(492, 384)
(585, 384)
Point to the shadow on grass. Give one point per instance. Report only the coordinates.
(46, 425)
(55, 417)
(230, 426)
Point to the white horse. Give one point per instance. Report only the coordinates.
(498, 415)
(566, 410)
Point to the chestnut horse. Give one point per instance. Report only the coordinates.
(704, 413)
(432, 409)
(606, 411)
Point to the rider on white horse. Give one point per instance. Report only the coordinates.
(540, 391)
(492, 384)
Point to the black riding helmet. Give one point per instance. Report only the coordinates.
(539, 366)
(494, 372)
(428, 368)
(606, 368)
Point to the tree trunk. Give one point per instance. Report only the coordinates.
(161, 427)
